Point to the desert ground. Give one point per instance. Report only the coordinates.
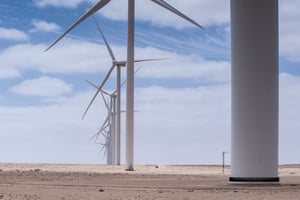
(68, 182)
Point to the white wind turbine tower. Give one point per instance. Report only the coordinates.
(130, 64)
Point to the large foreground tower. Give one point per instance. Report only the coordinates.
(254, 26)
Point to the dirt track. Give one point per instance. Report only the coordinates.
(33, 182)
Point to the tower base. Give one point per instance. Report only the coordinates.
(252, 180)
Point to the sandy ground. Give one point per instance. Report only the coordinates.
(66, 182)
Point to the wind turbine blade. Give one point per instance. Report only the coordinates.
(92, 84)
(90, 12)
(104, 125)
(111, 106)
(102, 92)
(124, 82)
(105, 41)
(167, 6)
(95, 137)
(105, 152)
(105, 101)
(154, 59)
(95, 86)
(100, 132)
(102, 148)
(135, 71)
(99, 89)
(104, 134)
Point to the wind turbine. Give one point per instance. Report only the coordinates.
(108, 128)
(110, 139)
(130, 64)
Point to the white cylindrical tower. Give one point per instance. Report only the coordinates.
(118, 119)
(130, 88)
(254, 29)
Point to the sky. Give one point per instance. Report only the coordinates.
(182, 104)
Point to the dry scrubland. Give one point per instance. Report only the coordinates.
(66, 182)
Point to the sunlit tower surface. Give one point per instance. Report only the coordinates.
(254, 140)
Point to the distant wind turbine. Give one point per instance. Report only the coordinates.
(130, 64)
(108, 128)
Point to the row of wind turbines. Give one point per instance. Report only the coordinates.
(111, 128)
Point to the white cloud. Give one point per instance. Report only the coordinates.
(179, 118)
(186, 120)
(204, 12)
(44, 26)
(84, 57)
(51, 134)
(289, 118)
(289, 29)
(178, 66)
(59, 3)
(66, 57)
(13, 34)
(7, 73)
(43, 86)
